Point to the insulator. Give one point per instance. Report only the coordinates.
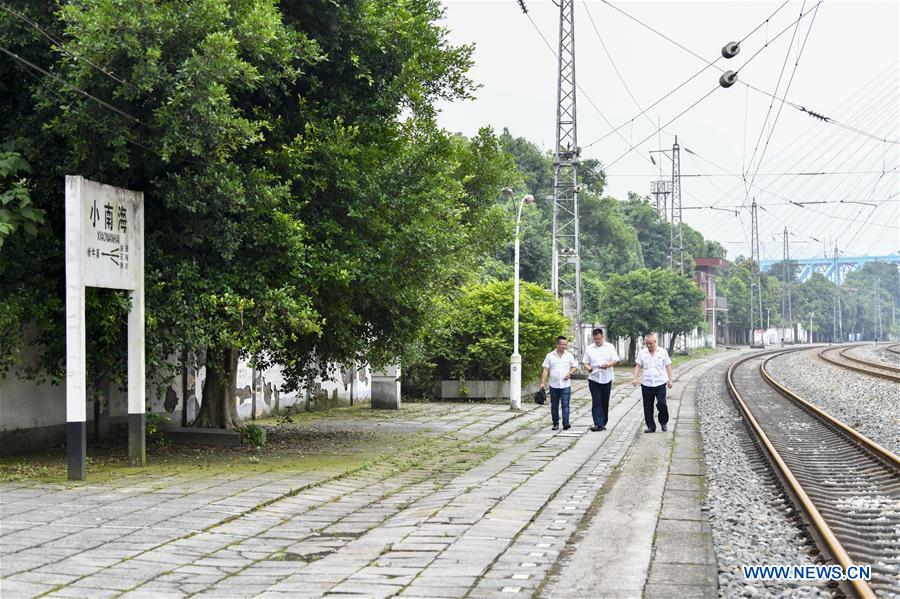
(731, 49)
(728, 79)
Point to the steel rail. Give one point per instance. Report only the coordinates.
(828, 541)
(886, 372)
(844, 354)
(874, 447)
(894, 349)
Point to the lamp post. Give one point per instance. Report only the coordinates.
(515, 360)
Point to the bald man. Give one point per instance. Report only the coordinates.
(655, 366)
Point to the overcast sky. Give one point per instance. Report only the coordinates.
(847, 71)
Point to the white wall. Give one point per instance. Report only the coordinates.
(27, 405)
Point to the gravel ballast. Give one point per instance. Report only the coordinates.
(878, 354)
(866, 403)
(753, 521)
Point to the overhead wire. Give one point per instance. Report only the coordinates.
(791, 146)
(787, 87)
(58, 45)
(47, 73)
(701, 99)
(745, 83)
(577, 85)
(672, 91)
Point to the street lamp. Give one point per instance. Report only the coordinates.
(515, 360)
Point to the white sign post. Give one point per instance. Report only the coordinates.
(104, 248)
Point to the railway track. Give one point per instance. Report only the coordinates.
(894, 349)
(839, 356)
(846, 486)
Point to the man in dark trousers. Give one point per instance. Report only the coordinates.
(598, 361)
(559, 366)
(657, 376)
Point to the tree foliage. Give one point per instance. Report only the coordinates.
(302, 205)
(474, 336)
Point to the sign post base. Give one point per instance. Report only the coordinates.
(137, 441)
(76, 449)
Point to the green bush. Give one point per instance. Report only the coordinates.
(153, 426)
(473, 338)
(253, 434)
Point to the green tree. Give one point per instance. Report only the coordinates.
(302, 205)
(635, 304)
(815, 301)
(16, 211)
(474, 336)
(652, 231)
(609, 244)
(859, 297)
(591, 296)
(686, 304)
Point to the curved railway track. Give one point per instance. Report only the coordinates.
(894, 349)
(839, 356)
(847, 486)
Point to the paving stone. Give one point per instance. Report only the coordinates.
(457, 524)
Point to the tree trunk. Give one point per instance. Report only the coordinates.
(219, 407)
(632, 348)
(672, 343)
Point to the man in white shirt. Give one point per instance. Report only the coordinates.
(559, 365)
(657, 376)
(599, 360)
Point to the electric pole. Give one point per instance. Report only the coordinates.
(566, 266)
(837, 327)
(755, 289)
(877, 314)
(676, 209)
(788, 279)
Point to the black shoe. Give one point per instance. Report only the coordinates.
(602, 428)
(596, 428)
(556, 427)
(664, 428)
(649, 430)
(567, 427)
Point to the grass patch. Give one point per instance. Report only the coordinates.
(695, 354)
(290, 448)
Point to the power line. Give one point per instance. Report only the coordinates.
(688, 80)
(69, 85)
(61, 46)
(819, 132)
(738, 175)
(786, 89)
(681, 85)
(578, 86)
(713, 64)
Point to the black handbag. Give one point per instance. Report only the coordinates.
(540, 397)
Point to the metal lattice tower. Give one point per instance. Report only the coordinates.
(566, 267)
(787, 280)
(837, 327)
(755, 290)
(676, 232)
(661, 190)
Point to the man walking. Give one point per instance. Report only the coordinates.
(599, 360)
(560, 365)
(657, 376)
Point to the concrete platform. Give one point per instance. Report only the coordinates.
(646, 534)
(534, 513)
